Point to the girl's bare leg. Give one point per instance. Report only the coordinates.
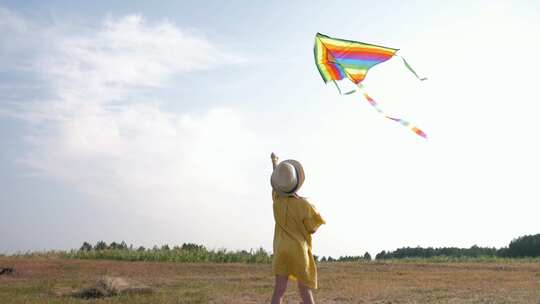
(279, 289)
(305, 294)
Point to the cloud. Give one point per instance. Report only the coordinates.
(130, 52)
(96, 128)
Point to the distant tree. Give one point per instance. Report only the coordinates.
(350, 258)
(141, 248)
(316, 258)
(330, 259)
(101, 245)
(367, 256)
(503, 252)
(525, 246)
(323, 259)
(123, 246)
(261, 251)
(165, 247)
(86, 247)
(381, 255)
(193, 247)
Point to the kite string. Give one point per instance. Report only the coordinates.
(402, 122)
(335, 83)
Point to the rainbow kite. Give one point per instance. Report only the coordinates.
(337, 59)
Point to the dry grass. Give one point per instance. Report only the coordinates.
(48, 280)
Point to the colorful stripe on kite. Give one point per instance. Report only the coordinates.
(338, 58)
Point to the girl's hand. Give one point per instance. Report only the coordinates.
(274, 160)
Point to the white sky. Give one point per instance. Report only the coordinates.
(152, 125)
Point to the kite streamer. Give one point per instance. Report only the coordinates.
(373, 103)
(402, 122)
(337, 59)
(408, 66)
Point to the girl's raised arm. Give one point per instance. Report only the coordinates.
(274, 160)
(274, 164)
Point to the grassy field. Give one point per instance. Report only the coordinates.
(48, 280)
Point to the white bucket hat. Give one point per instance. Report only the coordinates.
(288, 177)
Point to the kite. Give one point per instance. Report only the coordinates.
(338, 59)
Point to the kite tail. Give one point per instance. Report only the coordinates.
(411, 69)
(408, 124)
(402, 122)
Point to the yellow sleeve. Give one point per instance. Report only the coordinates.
(313, 219)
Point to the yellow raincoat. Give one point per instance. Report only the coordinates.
(296, 219)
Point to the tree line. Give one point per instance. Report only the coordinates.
(523, 246)
(101, 246)
(346, 258)
(186, 253)
(191, 252)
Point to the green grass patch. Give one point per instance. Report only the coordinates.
(173, 255)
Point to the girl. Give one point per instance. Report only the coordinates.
(296, 220)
